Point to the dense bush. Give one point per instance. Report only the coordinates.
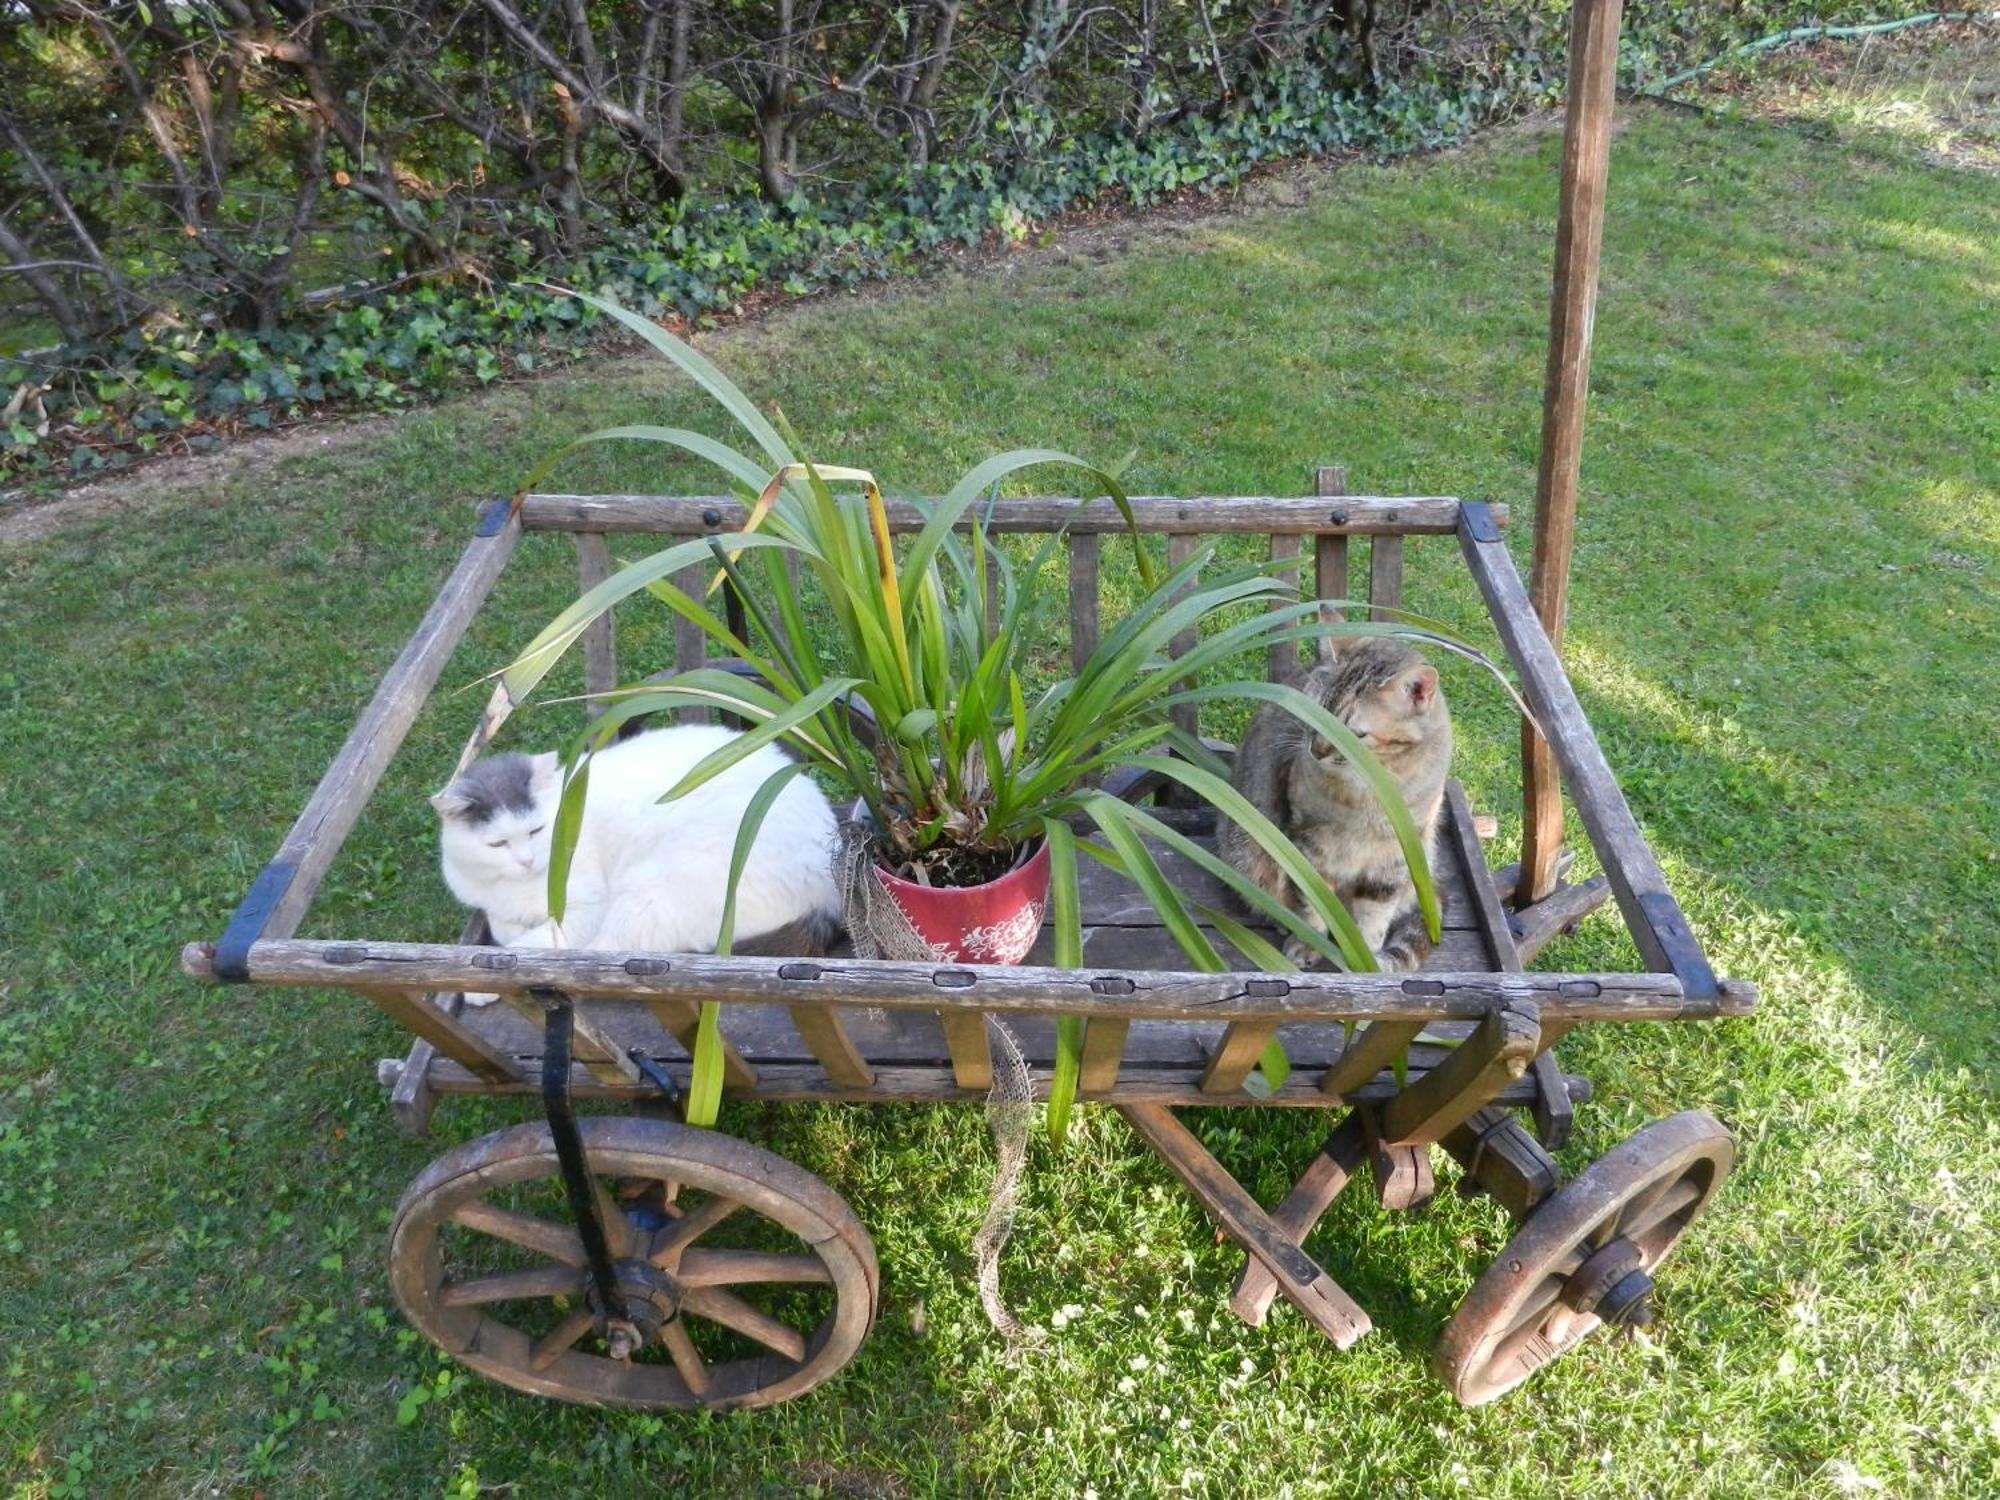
(177, 179)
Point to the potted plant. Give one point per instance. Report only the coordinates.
(971, 770)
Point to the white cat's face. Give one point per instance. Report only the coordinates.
(495, 819)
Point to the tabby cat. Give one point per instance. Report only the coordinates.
(1389, 696)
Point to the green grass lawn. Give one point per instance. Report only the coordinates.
(1784, 623)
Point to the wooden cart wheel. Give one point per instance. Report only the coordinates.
(1585, 1257)
(747, 1279)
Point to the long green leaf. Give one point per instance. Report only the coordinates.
(750, 741)
(1067, 915)
(746, 835)
(563, 836)
(1233, 805)
(693, 363)
(520, 677)
(1136, 861)
(1333, 944)
(1271, 1062)
(705, 1065)
(1316, 716)
(724, 457)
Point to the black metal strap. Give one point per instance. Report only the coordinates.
(556, 1033)
(253, 915)
(656, 1075)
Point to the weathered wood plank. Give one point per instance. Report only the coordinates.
(411, 1098)
(1083, 598)
(1284, 662)
(611, 976)
(681, 1017)
(765, 1034)
(1316, 1295)
(1497, 1153)
(935, 1083)
(448, 1034)
(1586, 162)
(1553, 1116)
(1486, 1062)
(1330, 547)
(971, 1050)
(1385, 576)
(1535, 927)
(605, 1059)
(293, 877)
(1242, 1044)
(1649, 909)
(1464, 854)
(1325, 1176)
(1374, 1048)
(1508, 877)
(1104, 1042)
(824, 1032)
(1366, 515)
(600, 649)
(1402, 1172)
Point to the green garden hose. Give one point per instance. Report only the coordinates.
(1815, 33)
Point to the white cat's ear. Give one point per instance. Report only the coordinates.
(450, 803)
(547, 770)
(1422, 687)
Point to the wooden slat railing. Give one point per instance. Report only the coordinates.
(1308, 515)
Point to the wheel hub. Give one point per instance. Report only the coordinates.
(1614, 1285)
(652, 1300)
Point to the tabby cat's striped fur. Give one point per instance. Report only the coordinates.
(1389, 696)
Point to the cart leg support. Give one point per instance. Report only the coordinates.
(1311, 1196)
(1317, 1295)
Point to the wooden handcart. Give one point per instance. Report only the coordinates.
(742, 1280)
(635, 1261)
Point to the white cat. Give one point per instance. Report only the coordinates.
(647, 874)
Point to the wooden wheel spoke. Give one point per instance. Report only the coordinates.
(1535, 1308)
(1660, 1207)
(556, 1241)
(686, 1358)
(618, 1230)
(731, 1311)
(690, 1227)
(536, 1281)
(733, 1267)
(1534, 1344)
(552, 1345)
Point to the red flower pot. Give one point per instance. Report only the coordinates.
(994, 923)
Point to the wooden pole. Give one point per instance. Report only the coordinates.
(1593, 64)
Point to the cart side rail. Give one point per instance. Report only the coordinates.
(1161, 995)
(1651, 914)
(281, 896)
(1204, 515)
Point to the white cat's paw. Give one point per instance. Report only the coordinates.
(477, 1000)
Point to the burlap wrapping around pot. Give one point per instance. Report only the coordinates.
(878, 929)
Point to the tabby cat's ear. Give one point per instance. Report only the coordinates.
(1422, 687)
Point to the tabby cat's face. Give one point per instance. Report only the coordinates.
(1385, 693)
